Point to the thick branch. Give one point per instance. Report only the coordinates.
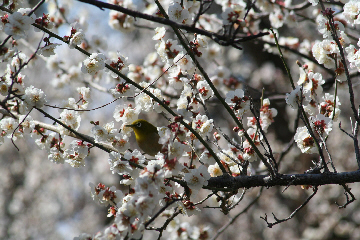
(228, 183)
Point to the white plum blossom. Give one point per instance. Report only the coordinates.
(205, 90)
(164, 134)
(323, 52)
(177, 149)
(238, 101)
(353, 55)
(17, 61)
(8, 125)
(48, 50)
(323, 26)
(93, 64)
(168, 49)
(159, 33)
(203, 125)
(215, 170)
(134, 157)
(183, 61)
(27, 123)
(178, 14)
(34, 97)
(197, 177)
(119, 165)
(304, 141)
(18, 23)
(125, 113)
(267, 115)
(120, 64)
(70, 118)
(352, 12)
(105, 133)
(321, 125)
(329, 108)
(276, 18)
(234, 13)
(312, 82)
(77, 39)
(56, 156)
(76, 153)
(121, 142)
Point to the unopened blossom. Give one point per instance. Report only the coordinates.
(34, 97)
(93, 64)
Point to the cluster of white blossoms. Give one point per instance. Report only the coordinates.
(321, 108)
(148, 191)
(18, 24)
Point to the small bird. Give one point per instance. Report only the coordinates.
(147, 136)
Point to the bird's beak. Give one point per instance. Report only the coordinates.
(129, 125)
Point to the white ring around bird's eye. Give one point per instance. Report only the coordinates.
(138, 124)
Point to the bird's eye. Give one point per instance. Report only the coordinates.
(138, 125)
